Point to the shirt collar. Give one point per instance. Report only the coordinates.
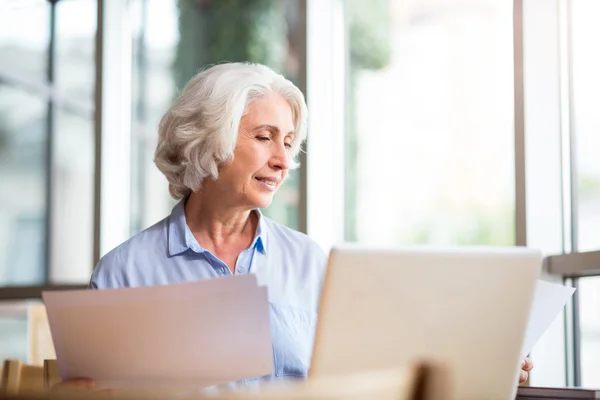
(181, 238)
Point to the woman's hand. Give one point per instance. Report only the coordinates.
(526, 366)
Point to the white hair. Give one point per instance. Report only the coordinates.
(199, 131)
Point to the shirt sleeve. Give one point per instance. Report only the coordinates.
(108, 273)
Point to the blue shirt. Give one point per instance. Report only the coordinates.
(289, 263)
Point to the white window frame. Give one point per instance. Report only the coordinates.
(113, 126)
(326, 89)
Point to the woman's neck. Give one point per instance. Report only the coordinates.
(212, 220)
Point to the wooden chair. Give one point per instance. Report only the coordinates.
(41, 346)
(19, 378)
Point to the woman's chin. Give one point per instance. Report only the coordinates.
(262, 201)
(265, 204)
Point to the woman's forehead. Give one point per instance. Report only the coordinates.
(273, 101)
(270, 112)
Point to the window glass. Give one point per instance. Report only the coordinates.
(589, 326)
(73, 147)
(76, 49)
(73, 198)
(430, 137)
(24, 38)
(586, 124)
(586, 120)
(23, 127)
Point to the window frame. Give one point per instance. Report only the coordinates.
(326, 89)
(46, 92)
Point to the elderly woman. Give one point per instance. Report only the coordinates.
(225, 147)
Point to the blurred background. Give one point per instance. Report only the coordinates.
(459, 122)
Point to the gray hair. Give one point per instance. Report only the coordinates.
(199, 131)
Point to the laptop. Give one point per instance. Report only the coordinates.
(464, 307)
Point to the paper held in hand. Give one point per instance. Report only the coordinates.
(549, 300)
(184, 335)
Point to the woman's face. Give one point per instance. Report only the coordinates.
(261, 157)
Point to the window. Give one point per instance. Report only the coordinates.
(586, 120)
(23, 201)
(589, 304)
(73, 142)
(429, 142)
(560, 84)
(585, 64)
(23, 133)
(46, 141)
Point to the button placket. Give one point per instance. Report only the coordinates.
(241, 263)
(215, 263)
(240, 268)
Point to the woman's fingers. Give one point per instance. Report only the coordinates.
(527, 364)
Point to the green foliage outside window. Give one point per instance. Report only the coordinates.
(214, 31)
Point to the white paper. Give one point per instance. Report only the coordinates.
(207, 287)
(549, 300)
(190, 335)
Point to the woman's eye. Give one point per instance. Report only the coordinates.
(263, 138)
(288, 145)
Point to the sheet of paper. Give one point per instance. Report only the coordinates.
(187, 336)
(549, 300)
